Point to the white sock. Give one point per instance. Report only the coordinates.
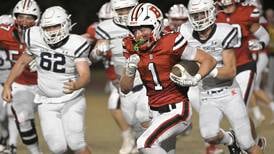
(227, 139)
(257, 112)
(155, 150)
(34, 148)
(126, 133)
(13, 131)
(271, 105)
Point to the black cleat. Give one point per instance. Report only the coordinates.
(234, 148)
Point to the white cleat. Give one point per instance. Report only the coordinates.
(127, 146)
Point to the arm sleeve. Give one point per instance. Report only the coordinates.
(182, 49)
(231, 40)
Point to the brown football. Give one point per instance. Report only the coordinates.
(190, 66)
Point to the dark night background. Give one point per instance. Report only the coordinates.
(84, 11)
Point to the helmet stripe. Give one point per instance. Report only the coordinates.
(26, 4)
(135, 11)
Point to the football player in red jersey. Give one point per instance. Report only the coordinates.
(154, 56)
(26, 13)
(245, 18)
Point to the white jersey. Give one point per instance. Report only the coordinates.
(114, 32)
(56, 66)
(5, 65)
(223, 36)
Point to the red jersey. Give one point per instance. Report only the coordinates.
(155, 66)
(15, 48)
(242, 18)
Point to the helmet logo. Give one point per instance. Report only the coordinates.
(155, 11)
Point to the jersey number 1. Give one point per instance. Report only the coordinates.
(155, 77)
(58, 61)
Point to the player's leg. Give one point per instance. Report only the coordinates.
(52, 127)
(4, 134)
(246, 78)
(163, 127)
(258, 92)
(270, 81)
(194, 98)
(142, 112)
(114, 106)
(210, 116)
(239, 121)
(73, 117)
(23, 110)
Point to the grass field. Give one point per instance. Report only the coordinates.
(103, 135)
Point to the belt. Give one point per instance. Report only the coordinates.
(137, 88)
(209, 92)
(164, 108)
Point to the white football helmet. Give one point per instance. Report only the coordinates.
(6, 19)
(202, 14)
(29, 7)
(226, 2)
(146, 14)
(178, 11)
(122, 4)
(105, 12)
(53, 16)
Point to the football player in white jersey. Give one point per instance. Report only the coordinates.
(134, 108)
(219, 92)
(63, 72)
(5, 66)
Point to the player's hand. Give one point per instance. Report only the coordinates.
(33, 66)
(7, 93)
(132, 65)
(69, 86)
(255, 45)
(185, 81)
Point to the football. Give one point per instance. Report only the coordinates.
(191, 67)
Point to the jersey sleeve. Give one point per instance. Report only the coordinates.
(231, 40)
(83, 52)
(182, 49)
(26, 40)
(101, 33)
(254, 15)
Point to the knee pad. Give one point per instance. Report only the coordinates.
(27, 132)
(245, 141)
(76, 142)
(209, 133)
(58, 148)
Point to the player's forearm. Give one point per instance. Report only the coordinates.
(126, 83)
(226, 73)
(17, 69)
(82, 81)
(207, 63)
